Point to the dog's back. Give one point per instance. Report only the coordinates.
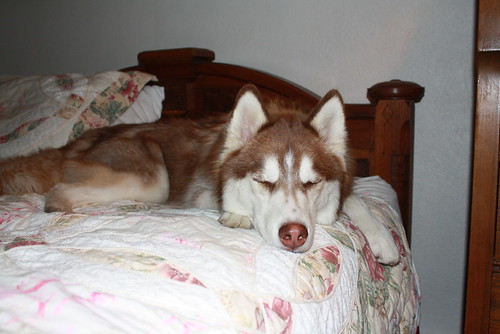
(121, 162)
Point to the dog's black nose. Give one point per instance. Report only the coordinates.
(293, 235)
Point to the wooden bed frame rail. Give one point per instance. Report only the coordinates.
(380, 133)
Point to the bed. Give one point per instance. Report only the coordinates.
(133, 267)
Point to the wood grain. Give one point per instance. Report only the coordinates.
(482, 307)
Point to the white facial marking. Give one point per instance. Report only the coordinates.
(271, 170)
(289, 166)
(237, 199)
(327, 203)
(268, 211)
(306, 172)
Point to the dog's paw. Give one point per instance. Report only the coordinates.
(229, 219)
(378, 236)
(56, 200)
(383, 247)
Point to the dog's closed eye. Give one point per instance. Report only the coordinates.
(311, 183)
(267, 184)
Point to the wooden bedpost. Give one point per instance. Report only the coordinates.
(175, 70)
(394, 117)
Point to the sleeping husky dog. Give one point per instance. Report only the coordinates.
(278, 169)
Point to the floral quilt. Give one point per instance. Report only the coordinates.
(44, 111)
(132, 267)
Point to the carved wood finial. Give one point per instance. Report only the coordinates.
(395, 90)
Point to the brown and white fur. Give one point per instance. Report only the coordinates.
(276, 168)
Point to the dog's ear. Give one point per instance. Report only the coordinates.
(329, 120)
(247, 118)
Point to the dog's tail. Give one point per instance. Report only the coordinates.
(36, 173)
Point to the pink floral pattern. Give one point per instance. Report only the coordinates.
(64, 82)
(48, 111)
(142, 262)
(111, 103)
(257, 313)
(24, 241)
(381, 286)
(387, 302)
(316, 274)
(181, 276)
(281, 310)
(22, 130)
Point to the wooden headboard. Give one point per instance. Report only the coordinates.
(380, 133)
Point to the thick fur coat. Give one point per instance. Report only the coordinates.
(277, 168)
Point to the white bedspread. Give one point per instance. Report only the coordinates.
(133, 267)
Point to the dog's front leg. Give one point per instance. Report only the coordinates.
(235, 220)
(378, 236)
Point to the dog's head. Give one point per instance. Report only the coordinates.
(284, 169)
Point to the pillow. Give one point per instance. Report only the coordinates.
(40, 112)
(146, 109)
